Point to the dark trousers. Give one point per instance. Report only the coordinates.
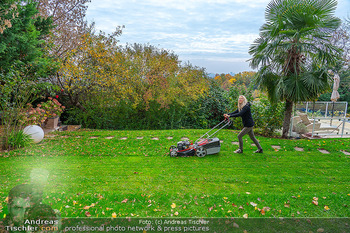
(249, 131)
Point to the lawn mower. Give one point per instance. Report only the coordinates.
(205, 145)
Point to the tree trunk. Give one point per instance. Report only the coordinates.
(287, 116)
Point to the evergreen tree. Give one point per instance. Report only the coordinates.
(21, 45)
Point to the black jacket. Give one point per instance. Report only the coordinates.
(246, 115)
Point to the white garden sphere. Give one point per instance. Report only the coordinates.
(35, 132)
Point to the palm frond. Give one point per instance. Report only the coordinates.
(293, 44)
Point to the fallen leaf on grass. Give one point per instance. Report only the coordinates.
(87, 214)
(125, 200)
(173, 205)
(86, 207)
(176, 213)
(245, 215)
(248, 193)
(326, 207)
(114, 215)
(253, 204)
(262, 212)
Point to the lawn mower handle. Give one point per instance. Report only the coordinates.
(223, 124)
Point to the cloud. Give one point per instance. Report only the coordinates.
(206, 30)
(217, 44)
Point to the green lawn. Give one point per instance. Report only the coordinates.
(136, 177)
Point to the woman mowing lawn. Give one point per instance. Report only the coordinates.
(248, 123)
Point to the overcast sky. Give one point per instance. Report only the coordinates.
(214, 34)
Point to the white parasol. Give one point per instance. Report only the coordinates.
(335, 94)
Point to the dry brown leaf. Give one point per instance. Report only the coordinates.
(262, 212)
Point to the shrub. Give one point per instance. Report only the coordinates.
(208, 110)
(15, 93)
(18, 139)
(31, 116)
(52, 107)
(267, 116)
(38, 115)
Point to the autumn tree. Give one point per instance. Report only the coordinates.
(134, 80)
(157, 75)
(245, 77)
(94, 68)
(68, 16)
(225, 80)
(341, 38)
(8, 12)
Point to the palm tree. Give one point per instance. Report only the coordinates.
(294, 51)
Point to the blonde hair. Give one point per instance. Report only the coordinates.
(240, 106)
